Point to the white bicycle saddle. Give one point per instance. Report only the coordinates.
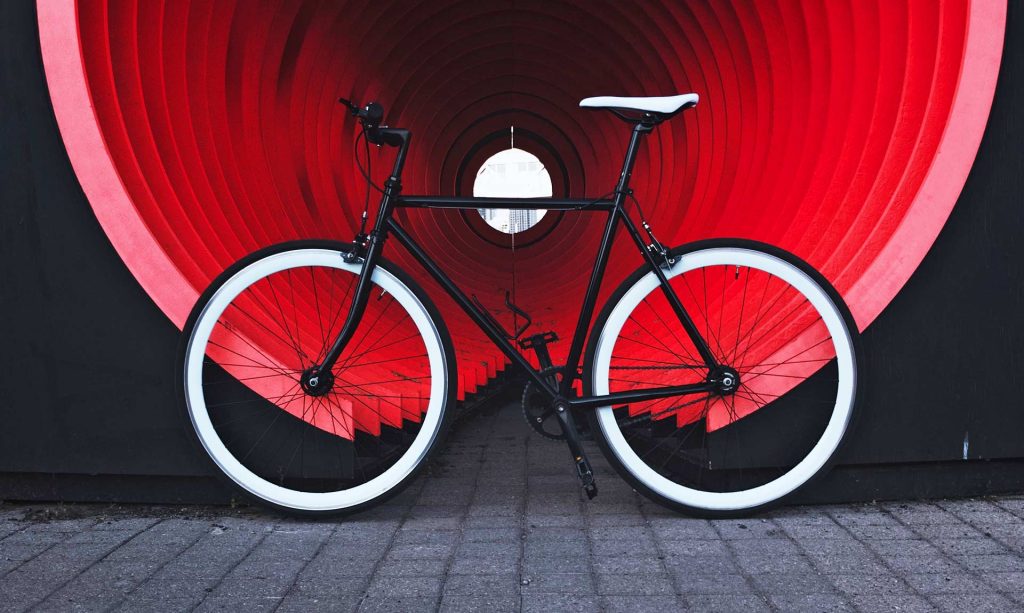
(655, 104)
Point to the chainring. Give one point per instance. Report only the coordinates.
(538, 411)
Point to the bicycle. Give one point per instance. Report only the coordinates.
(718, 379)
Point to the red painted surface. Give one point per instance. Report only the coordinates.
(842, 131)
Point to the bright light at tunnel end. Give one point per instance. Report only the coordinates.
(512, 173)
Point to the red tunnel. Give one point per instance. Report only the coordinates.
(841, 131)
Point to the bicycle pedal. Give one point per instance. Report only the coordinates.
(586, 475)
(538, 340)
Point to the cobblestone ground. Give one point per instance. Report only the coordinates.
(499, 524)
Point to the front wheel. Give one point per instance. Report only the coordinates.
(771, 321)
(370, 425)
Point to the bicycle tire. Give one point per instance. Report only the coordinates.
(407, 429)
(704, 479)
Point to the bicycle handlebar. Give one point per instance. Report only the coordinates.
(370, 116)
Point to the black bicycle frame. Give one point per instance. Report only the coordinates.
(615, 207)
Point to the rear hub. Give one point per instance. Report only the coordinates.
(725, 379)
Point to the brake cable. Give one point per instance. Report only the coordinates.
(655, 247)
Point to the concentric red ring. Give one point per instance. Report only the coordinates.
(843, 132)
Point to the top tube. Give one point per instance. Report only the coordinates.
(550, 204)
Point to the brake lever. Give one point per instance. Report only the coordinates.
(352, 107)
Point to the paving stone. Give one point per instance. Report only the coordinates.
(634, 534)
(558, 583)
(811, 603)
(300, 604)
(646, 604)
(792, 583)
(903, 603)
(633, 549)
(921, 564)
(482, 566)
(567, 603)
(426, 587)
(701, 564)
(410, 568)
(159, 604)
(990, 563)
(555, 534)
(748, 529)
(491, 535)
(947, 531)
(680, 529)
(426, 537)
(765, 548)
(536, 548)
(861, 564)
(635, 566)
(969, 546)
(398, 603)
(869, 584)
(634, 519)
(543, 520)
(755, 564)
(883, 532)
(482, 585)
(694, 548)
(975, 603)
(533, 565)
(834, 548)
(930, 517)
(493, 521)
(330, 564)
(1007, 582)
(634, 584)
(726, 603)
(433, 523)
(946, 583)
(903, 547)
(712, 584)
(825, 531)
(863, 515)
(18, 553)
(333, 587)
(496, 603)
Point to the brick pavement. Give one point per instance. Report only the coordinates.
(499, 524)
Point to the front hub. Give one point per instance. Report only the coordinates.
(725, 379)
(316, 383)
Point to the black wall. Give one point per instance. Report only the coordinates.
(86, 359)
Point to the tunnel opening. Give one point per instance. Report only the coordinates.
(512, 173)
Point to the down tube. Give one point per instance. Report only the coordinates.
(496, 336)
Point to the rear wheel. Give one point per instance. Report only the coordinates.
(770, 319)
(370, 425)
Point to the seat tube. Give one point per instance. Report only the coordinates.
(597, 275)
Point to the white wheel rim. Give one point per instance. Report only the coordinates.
(818, 455)
(250, 481)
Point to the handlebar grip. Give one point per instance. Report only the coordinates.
(369, 115)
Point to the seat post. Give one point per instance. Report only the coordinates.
(643, 127)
